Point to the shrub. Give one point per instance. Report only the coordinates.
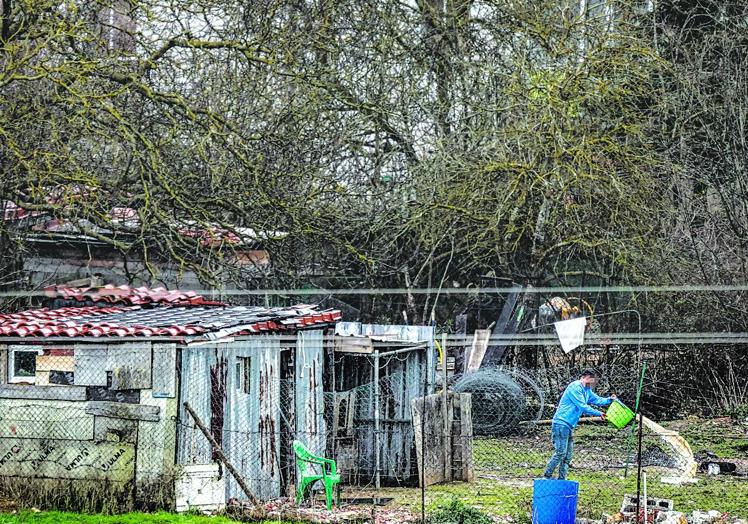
(457, 512)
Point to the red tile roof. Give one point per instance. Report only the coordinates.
(127, 219)
(143, 312)
(110, 294)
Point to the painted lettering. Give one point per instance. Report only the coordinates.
(14, 450)
(110, 462)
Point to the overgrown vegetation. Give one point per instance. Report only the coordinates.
(55, 517)
(454, 511)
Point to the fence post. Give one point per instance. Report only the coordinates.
(445, 413)
(377, 451)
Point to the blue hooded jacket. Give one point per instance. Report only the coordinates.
(575, 402)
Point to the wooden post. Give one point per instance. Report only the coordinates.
(446, 419)
(221, 456)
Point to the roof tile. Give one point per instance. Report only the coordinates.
(143, 312)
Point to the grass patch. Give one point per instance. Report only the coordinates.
(598, 493)
(55, 517)
(719, 436)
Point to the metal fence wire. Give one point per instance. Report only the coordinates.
(217, 427)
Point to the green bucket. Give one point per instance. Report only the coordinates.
(618, 414)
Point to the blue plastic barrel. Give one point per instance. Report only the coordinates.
(554, 501)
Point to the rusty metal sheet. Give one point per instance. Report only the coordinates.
(251, 437)
(309, 391)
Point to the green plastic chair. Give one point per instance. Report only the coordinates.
(306, 463)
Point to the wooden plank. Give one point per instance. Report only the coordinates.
(504, 325)
(72, 393)
(448, 454)
(430, 459)
(48, 419)
(120, 410)
(55, 363)
(478, 349)
(360, 345)
(115, 430)
(3, 364)
(126, 396)
(446, 414)
(461, 322)
(90, 365)
(66, 460)
(130, 364)
(157, 441)
(61, 378)
(41, 378)
(464, 453)
(164, 370)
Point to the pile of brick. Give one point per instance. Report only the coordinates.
(662, 511)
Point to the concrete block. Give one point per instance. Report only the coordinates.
(200, 486)
(629, 504)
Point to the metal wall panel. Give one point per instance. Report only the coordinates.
(164, 370)
(192, 446)
(250, 431)
(251, 436)
(309, 391)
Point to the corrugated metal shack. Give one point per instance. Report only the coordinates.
(378, 370)
(93, 388)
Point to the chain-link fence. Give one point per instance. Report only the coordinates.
(236, 426)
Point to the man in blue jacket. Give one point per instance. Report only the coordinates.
(574, 403)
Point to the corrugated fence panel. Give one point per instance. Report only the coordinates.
(309, 391)
(193, 447)
(251, 437)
